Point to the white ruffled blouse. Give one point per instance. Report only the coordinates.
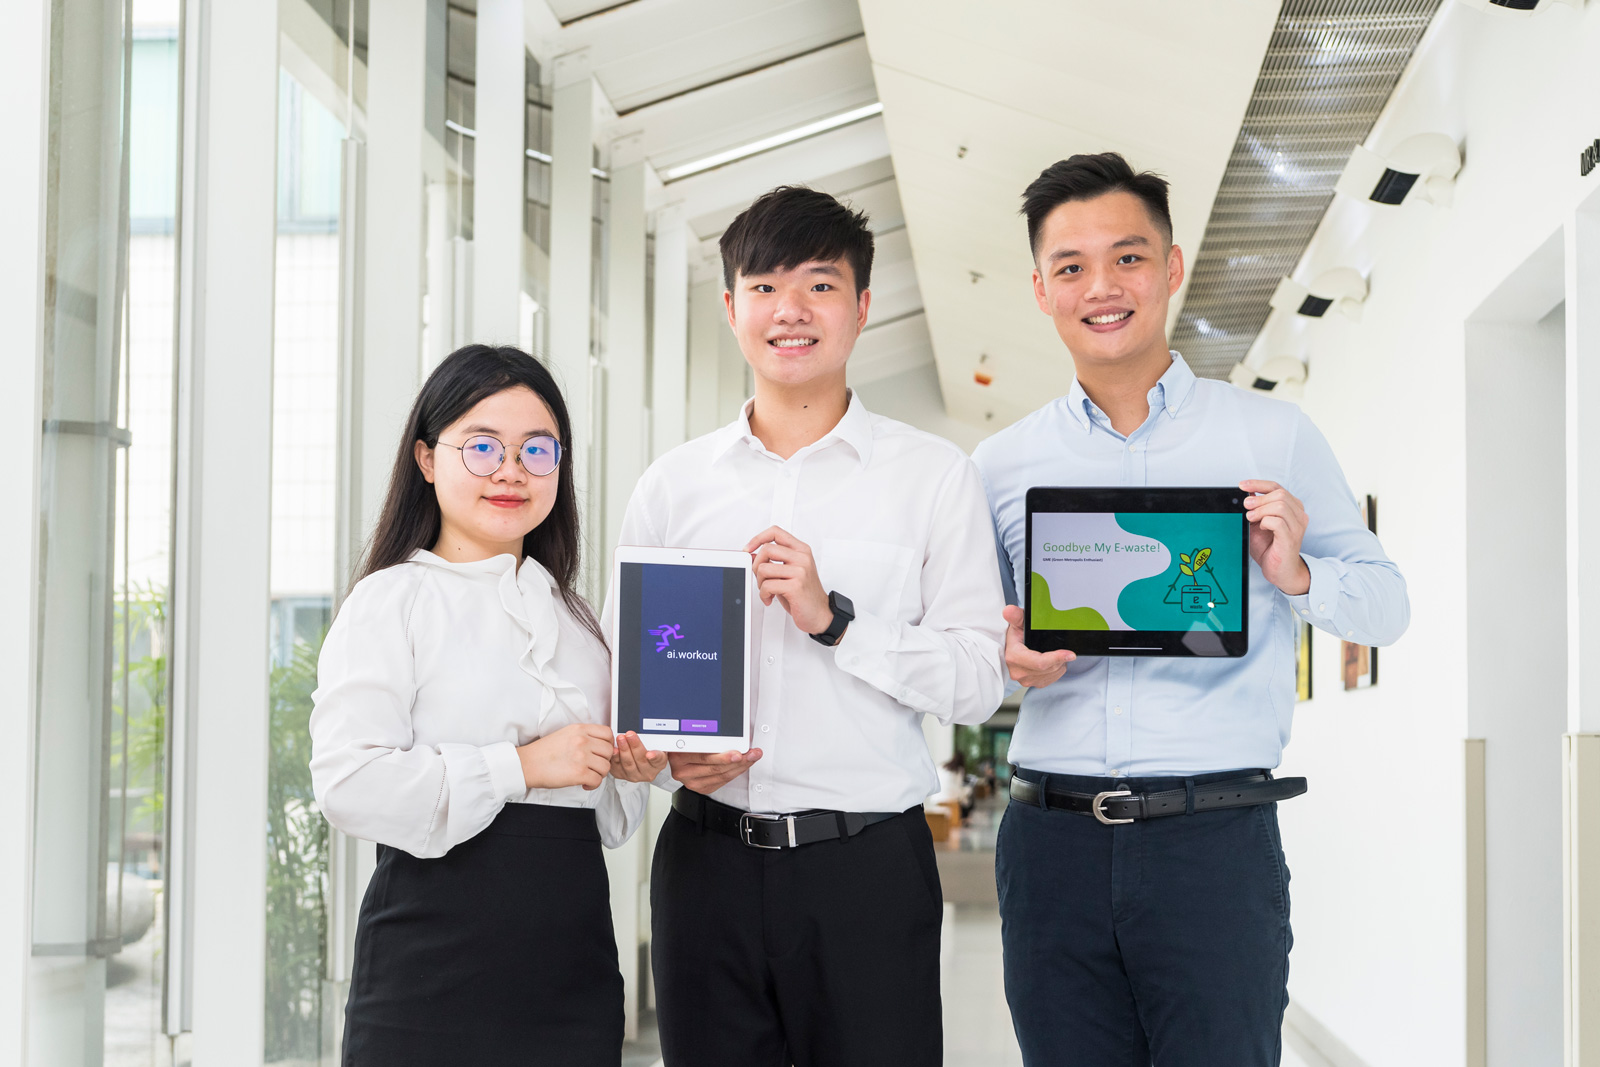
(431, 676)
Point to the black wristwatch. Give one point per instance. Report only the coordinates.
(843, 612)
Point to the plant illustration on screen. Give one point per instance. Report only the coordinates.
(1195, 598)
(665, 635)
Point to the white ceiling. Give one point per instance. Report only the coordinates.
(646, 50)
(691, 78)
(978, 98)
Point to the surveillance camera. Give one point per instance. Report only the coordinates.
(1341, 288)
(1520, 7)
(1281, 376)
(1423, 167)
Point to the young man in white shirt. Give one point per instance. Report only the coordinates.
(874, 612)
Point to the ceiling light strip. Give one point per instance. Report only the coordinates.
(1327, 75)
(777, 140)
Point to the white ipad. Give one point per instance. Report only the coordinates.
(680, 648)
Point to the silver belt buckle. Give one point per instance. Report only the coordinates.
(1100, 799)
(747, 826)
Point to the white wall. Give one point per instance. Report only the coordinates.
(1377, 846)
(1517, 669)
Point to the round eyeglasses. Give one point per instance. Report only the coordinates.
(483, 455)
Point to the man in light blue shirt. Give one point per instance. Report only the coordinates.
(1159, 939)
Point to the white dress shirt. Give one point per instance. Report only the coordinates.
(431, 676)
(897, 521)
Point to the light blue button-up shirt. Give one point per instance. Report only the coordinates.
(1119, 715)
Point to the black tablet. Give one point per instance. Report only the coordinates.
(1138, 572)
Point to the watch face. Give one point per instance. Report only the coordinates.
(842, 605)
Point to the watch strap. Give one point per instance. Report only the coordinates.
(843, 615)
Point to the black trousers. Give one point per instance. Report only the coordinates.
(499, 952)
(1163, 941)
(825, 955)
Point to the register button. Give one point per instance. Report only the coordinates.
(699, 726)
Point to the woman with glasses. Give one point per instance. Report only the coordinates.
(461, 722)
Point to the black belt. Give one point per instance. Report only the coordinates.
(1124, 806)
(763, 830)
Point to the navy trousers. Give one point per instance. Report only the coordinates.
(1162, 941)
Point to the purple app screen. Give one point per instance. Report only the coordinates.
(680, 654)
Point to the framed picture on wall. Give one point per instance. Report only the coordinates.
(1359, 663)
(1302, 661)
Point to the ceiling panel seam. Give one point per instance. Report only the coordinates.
(740, 74)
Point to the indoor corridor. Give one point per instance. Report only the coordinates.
(239, 239)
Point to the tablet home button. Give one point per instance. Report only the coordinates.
(681, 742)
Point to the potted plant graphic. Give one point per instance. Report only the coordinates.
(1196, 597)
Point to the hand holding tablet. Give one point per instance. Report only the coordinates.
(1027, 667)
(1278, 527)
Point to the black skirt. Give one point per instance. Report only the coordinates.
(501, 951)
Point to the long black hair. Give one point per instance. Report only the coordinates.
(411, 519)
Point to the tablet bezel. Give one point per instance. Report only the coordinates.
(691, 557)
(1172, 643)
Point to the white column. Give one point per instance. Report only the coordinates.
(732, 370)
(1583, 468)
(23, 48)
(441, 278)
(707, 323)
(1581, 746)
(498, 162)
(391, 350)
(669, 348)
(226, 515)
(627, 442)
(571, 267)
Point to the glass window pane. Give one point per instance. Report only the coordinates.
(304, 487)
(98, 960)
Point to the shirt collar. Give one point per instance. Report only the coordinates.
(1170, 393)
(494, 566)
(854, 429)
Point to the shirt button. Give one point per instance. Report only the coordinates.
(766, 729)
(1119, 709)
(769, 661)
(1349, 633)
(1305, 611)
(1114, 773)
(1133, 448)
(1322, 608)
(760, 788)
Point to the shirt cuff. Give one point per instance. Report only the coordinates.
(505, 771)
(664, 780)
(863, 652)
(1321, 601)
(866, 638)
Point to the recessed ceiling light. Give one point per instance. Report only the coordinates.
(777, 140)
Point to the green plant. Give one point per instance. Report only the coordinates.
(297, 867)
(971, 743)
(139, 723)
